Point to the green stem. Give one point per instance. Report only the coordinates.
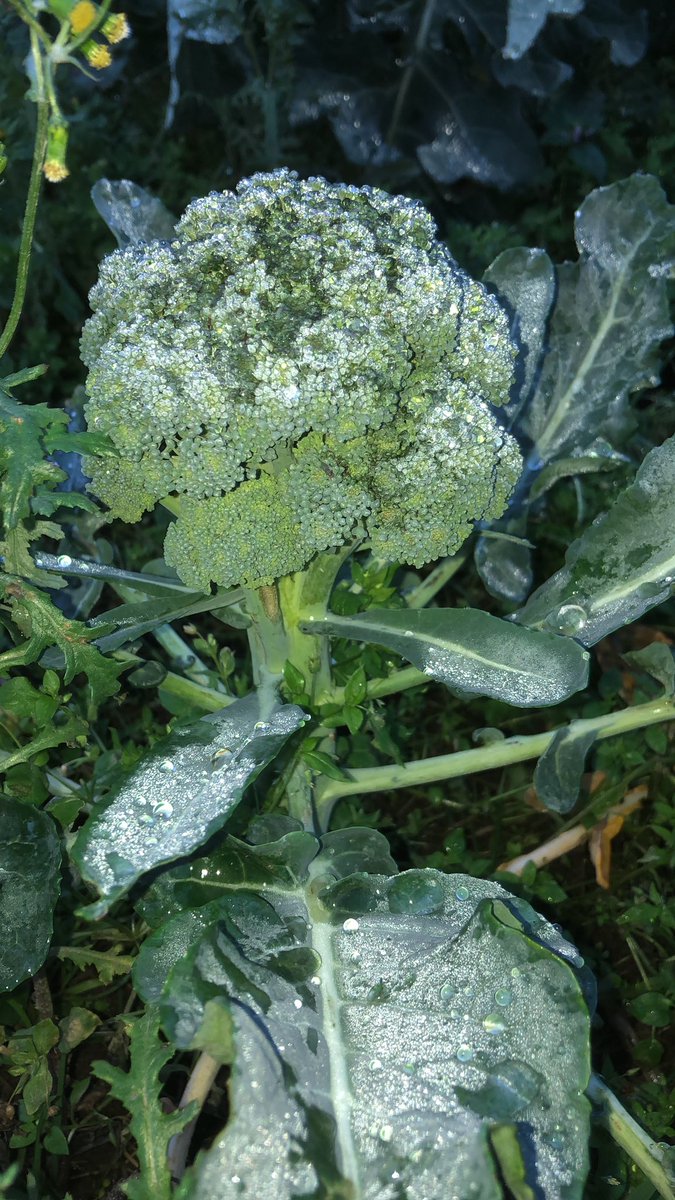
(638, 1145)
(205, 698)
(483, 758)
(305, 596)
(32, 198)
(435, 580)
(389, 685)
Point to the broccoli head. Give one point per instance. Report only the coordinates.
(305, 363)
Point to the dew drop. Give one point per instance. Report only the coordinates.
(386, 1133)
(220, 758)
(462, 893)
(464, 1052)
(350, 925)
(375, 1064)
(447, 992)
(64, 560)
(503, 997)
(167, 765)
(493, 1024)
(163, 809)
(316, 980)
(569, 619)
(262, 726)
(297, 1003)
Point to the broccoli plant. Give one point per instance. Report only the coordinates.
(304, 378)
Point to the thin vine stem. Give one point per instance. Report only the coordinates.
(32, 199)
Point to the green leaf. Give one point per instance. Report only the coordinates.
(44, 625)
(30, 859)
(525, 279)
(658, 661)
(76, 1028)
(557, 776)
(381, 1024)
(318, 761)
(294, 679)
(106, 963)
(46, 503)
(652, 1008)
(356, 687)
(88, 442)
(37, 1088)
(72, 730)
(19, 699)
(136, 619)
(609, 318)
(179, 795)
(139, 1090)
(621, 566)
(564, 468)
(22, 455)
(472, 652)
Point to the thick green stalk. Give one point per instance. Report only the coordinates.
(32, 198)
(483, 758)
(644, 1151)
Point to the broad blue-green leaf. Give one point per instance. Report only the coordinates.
(564, 468)
(621, 566)
(526, 19)
(380, 1026)
(30, 859)
(139, 1091)
(179, 795)
(472, 652)
(136, 619)
(133, 214)
(504, 563)
(557, 776)
(610, 316)
(525, 279)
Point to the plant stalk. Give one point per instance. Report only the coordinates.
(32, 199)
(198, 1086)
(483, 758)
(638, 1145)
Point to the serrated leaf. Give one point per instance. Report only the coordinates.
(22, 455)
(621, 566)
(44, 625)
(30, 859)
(106, 963)
(180, 794)
(609, 318)
(139, 1090)
(46, 503)
(87, 442)
(357, 1012)
(557, 775)
(68, 732)
(472, 652)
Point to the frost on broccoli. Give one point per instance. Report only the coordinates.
(303, 364)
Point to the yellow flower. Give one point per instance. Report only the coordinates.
(116, 28)
(55, 171)
(96, 55)
(54, 167)
(82, 16)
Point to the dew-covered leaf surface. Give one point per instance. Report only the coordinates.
(472, 652)
(179, 795)
(30, 860)
(610, 316)
(621, 566)
(525, 279)
(383, 1028)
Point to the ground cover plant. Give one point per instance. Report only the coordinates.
(335, 611)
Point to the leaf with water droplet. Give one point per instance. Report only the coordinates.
(621, 566)
(115, 848)
(472, 652)
(337, 1085)
(30, 859)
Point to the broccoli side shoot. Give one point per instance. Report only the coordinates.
(303, 364)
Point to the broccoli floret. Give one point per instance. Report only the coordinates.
(304, 361)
